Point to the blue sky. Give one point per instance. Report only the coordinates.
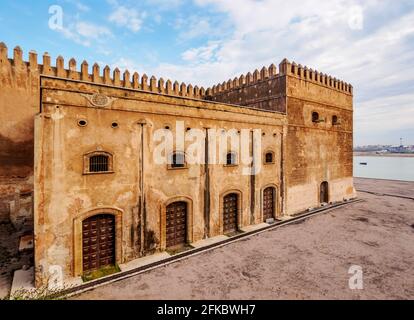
(368, 43)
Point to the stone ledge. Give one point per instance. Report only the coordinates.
(22, 280)
(141, 262)
(209, 241)
(254, 227)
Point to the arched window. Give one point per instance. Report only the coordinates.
(269, 157)
(177, 160)
(335, 120)
(98, 162)
(315, 117)
(231, 159)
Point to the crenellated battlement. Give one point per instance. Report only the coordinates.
(271, 72)
(106, 77)
(152, 84)
(265, 74)
(306, 73)
(262, 90)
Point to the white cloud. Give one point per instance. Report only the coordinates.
(202, 54)
(356, 18)
(82, 7)
(193, 27)
(91, 31)
(79, 5)
(84, 32)
(71, 34)
(126, 64)
(128, 17)
(157, 18)
(164, 4)
(381, 115)
(367, 43)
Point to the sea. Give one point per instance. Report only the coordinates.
(390, 168)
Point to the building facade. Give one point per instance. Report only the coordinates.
(123, 167)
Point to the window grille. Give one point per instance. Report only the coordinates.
(99, 163)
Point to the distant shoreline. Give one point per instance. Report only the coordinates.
(374, 154)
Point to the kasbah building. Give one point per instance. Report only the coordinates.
(77, 164)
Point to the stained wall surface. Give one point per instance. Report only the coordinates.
(138, 190)
(318, 151)
(44, 147)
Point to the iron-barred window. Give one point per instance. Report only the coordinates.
(98, 162)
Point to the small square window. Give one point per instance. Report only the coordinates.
(335, 121)
(269, 157)
(231, 159)
(177, 161)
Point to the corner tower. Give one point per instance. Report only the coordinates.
(319, 139)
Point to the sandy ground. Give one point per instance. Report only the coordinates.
(402, 188)
(307, 260)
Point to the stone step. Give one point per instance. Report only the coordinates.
(22, 280)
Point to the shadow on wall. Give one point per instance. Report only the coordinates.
(16, 158)
(151, 241)
(16, 204)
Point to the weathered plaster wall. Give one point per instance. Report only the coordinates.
(306, 153)
(19, 99)
(313, 152)
(19, 102)
(64, 193)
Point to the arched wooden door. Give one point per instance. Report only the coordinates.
(98, 242)
(176, 226)
(269, 205)
(324, 192)
(230, 212)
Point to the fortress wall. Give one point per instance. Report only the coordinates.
(314, 151)
(19, 102)
(322, 150)
(267, 89)
(293, 89)
(19, 98)
(260, 90)
(64, 193)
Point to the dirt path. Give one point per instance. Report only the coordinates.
(308, 260)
